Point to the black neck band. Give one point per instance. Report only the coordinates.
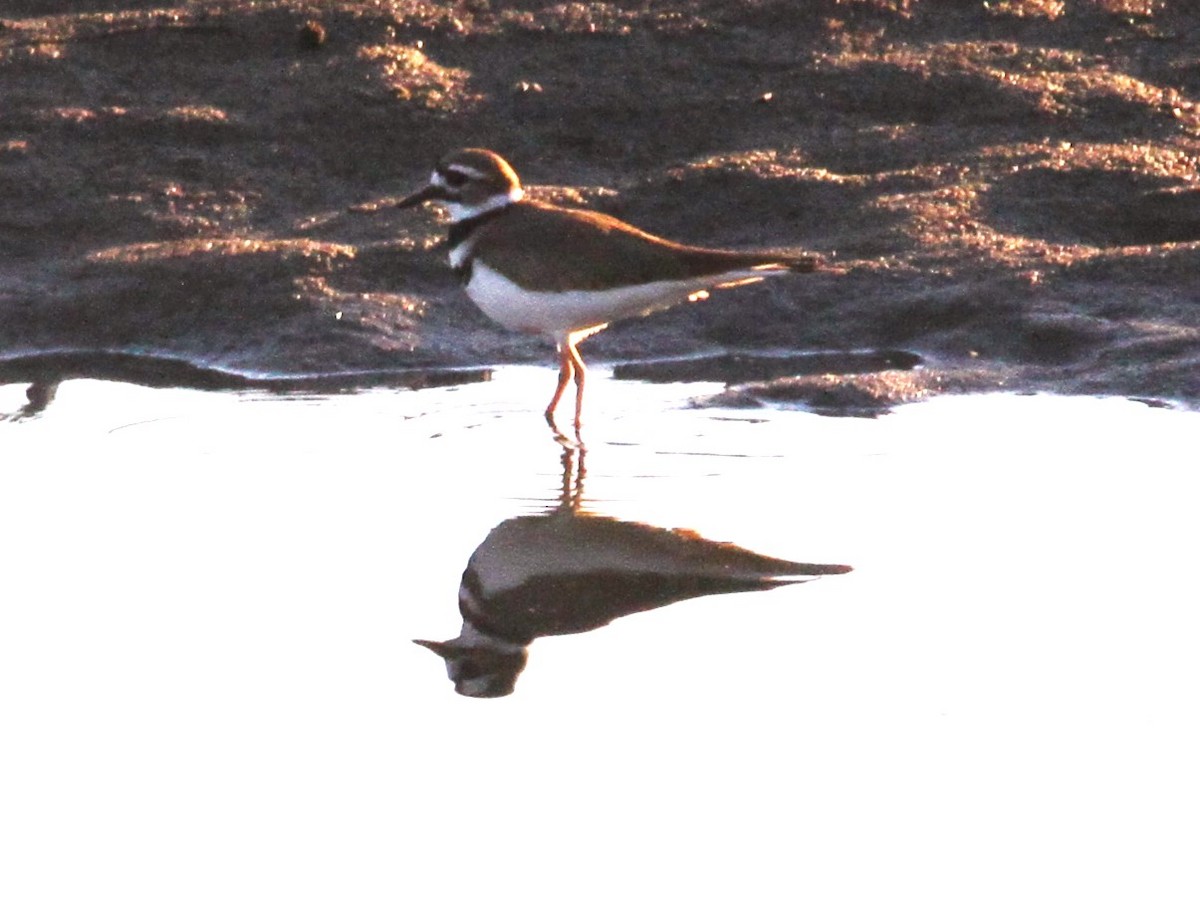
(460, 230)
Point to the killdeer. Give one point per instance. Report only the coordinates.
(566, 273)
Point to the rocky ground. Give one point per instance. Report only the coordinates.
(1009, 188)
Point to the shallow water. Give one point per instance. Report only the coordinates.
(210, 696)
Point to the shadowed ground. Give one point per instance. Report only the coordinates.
(1010, 187)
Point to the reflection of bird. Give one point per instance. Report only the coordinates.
(563, 573)
(564, 272)
(566, 572)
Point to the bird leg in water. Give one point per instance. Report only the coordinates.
(570, 366)
(566, 370)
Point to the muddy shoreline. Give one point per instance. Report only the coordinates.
(1009, 190)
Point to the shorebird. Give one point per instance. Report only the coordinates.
(566, 273)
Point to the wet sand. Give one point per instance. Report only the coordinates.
(1008, 188)
(211, 695)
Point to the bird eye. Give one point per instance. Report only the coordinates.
(454, 178)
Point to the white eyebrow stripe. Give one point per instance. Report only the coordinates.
(466, 171)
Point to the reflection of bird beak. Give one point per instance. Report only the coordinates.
(441, 648)
(421, 195)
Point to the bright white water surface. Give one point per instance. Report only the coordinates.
(209, 696)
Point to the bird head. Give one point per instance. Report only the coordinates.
(469, 182)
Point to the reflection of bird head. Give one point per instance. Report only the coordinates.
(479, 669)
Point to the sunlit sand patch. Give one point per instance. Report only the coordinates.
(179, 249)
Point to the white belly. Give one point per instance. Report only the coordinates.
(557, 313)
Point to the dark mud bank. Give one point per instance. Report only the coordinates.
(1010, 190)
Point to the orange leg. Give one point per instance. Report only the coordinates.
(580, 376)
(566, 369)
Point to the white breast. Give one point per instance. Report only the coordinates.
(555, 313)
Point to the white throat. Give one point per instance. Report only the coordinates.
(460, 211)
(470, 636)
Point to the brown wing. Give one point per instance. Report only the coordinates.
(545, 247)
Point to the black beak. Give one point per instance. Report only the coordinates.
(421, 195)
(441, 648)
